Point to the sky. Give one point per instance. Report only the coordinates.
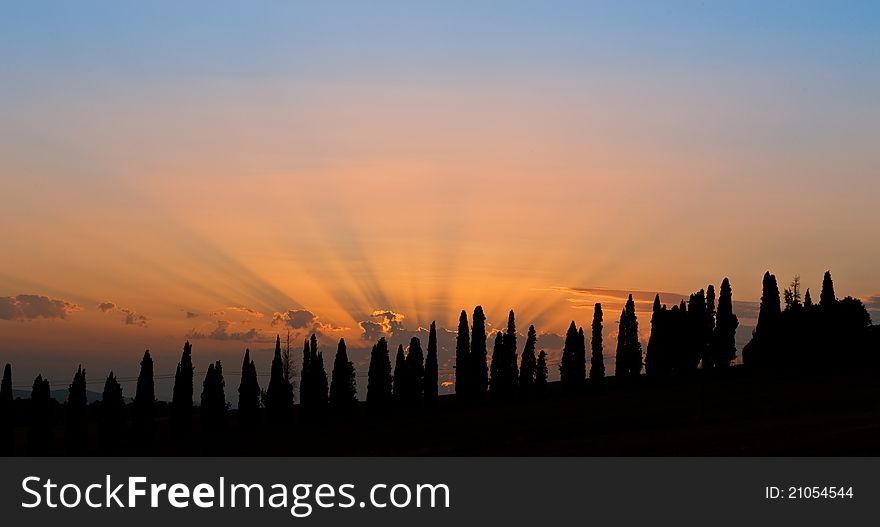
(224, 172)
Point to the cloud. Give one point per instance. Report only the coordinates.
(303, 320)
(130, 316)
(190, 314)
(30, 307)
(387, 324)
(106, 306)
(222, 332)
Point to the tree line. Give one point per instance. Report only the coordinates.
(697, 334)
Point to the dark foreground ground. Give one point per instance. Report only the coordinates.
(738, 414)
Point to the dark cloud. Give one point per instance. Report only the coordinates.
(29, 307)
(130, 317)
(387, 323)
(222, 332)
(303, 320)
(106, 306)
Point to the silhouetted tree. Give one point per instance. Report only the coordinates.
(77, 401)
(657, 361)
(305, 384)
(414, 373)
(6, 415)
(707, 360)
(581, 356)
(479, 367)
(528, 364)
(182, 397)
(111, 415)
(827, 299)
(379, 379)
(511, 371)
(279, 393)
(724, 336)
(213, 407)
(319, 384)
(343, 387)
(248, 393)
(40, 431)
(762, 350)
(568, 367)
(144, 403)
(431, 389)
(697, 339)
(288, 367)
(399, 387)
(541, 374)
(597, 358)
(498, 369)
(629, 350)
(462, 357)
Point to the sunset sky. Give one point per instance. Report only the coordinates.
(224, 172)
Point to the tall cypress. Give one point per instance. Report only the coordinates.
(498, 370)
(629, 350)
(462, 357)
(762, 349)
(144, 401)
(213, 407)
(343, 388)
(415, 372)
(182, 397)
(379, 379)
(248, 393)
(479, 368)
(528, 364)
(279, 393)
(827, 298)
(77, 401)
(581, 357)
(568, 366)
(541, 374)
(431, 390)
(318, 377)
(305, 380)
(597, 359)
(511, 370)
(724, 334)
(111, 415)
(399, 388)
(39, 412)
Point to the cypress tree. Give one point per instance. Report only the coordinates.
(629, 350)
(724, 335)
(40, 431)
(343, 387)
(511, 370)
(415, 372)
(213, 407)
(528, 364)
(77, 401)
(479, 368)
(111, 415)
(808, 300)
(279, 393)
(568, 367)
(318, 377)
(248, 393)
(379, 378)
(581, 357)
(827, 299)
(597, 359)
(399, 388)
(182, 397)
(431, 389)
(653, 359)
(305, 384)
(696, 323)
(541, 374)
(708, 360)
(462, 357)
(144, 401)
(6, 416)
(762, 349)
(498, 370)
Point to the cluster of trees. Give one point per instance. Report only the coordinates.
(697, 334)
(692, 334)
(805, 335)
